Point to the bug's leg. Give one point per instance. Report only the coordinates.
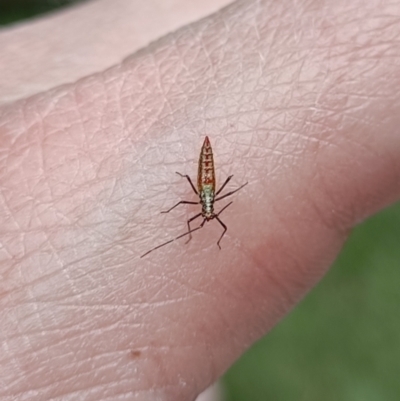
(190, 181)
(184, 202)
(223, 233)
(174, 239)
(231, 193)
(222, 224)
(181, 203)
(224, 184)
(188, 224)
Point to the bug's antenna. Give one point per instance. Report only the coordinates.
(174, 239)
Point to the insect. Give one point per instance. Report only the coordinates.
(206, 191)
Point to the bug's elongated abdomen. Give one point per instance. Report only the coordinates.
(206, 173)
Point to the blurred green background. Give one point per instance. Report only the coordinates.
(15, 10)
(342, 343)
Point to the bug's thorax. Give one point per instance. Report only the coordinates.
(206, 180)
(207, 197)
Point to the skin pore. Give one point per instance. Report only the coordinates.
(300, 99)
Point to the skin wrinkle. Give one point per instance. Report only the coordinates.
(274, 275)
(59, 329)
(68, 365)
(343, 214)
(91, 268)
(101, 390)
(268, 275)
(69, 386)
(76, 336)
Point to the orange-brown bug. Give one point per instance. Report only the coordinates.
(206, 191)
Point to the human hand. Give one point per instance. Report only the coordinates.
(301, 101)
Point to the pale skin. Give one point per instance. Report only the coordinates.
(300, 99)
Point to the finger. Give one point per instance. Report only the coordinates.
(75, 42)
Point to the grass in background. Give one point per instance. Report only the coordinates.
(342, 342)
